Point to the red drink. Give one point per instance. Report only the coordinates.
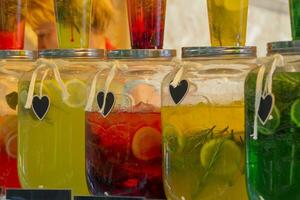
(147, 23)
(12, 24)
(8, 151)
(123, 154)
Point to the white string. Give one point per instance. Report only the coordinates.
(42, 82)
(110, 77)
(92, 94)
(179, 66)
(278, 61)
(44, 63)
(258, 91)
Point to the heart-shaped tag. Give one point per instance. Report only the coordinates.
(109, 102)
(40, 106)
(179, 92)
(265, 108)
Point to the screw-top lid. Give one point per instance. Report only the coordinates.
(129, 54)
(17, 55)
(72, 53)
(284, 47)
(194, 52)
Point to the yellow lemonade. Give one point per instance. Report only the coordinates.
(52, 151)
(227, 22)
(204, 152)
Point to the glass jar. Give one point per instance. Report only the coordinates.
(203, 124)
(273, 124)
(12, 65)
(51, 119)
(123, 141)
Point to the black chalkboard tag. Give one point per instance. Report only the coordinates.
(107, 198)
(265, 108)
(40, 106)
(178, 93)
(109, 105)
(12, 100)
(39, 194)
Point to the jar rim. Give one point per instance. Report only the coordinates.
(72, 53)
(18, 54)
(207, 51)
(130, 54)
(284, 47)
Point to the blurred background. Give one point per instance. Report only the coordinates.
(186, 25)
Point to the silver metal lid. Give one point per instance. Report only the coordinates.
(72, 53)
(284, 47)
(129, 54)
(17, 55)
(194, 52)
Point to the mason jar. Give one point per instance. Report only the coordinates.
(51, 151)
(12, 64)
(203, 124)
(123, 125)
(273, 124)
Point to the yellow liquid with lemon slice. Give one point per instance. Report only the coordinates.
(228, 22)
(204, 152)
(52, 151)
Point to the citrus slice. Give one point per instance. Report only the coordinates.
(78, 93)
(54, 91)
(221, 156)
(295, 112)
(173, 137)
(11, 146)
(146, 144)
(272, 124)
(234, 5)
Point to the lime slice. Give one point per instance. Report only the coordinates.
(78, 93)
(235, 5)
(173, 137)
(295, 112)
(53, 90)
(270, 127)
(221, 156)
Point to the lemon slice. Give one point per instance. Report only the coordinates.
(295, 112)
(78, 93)
(235, 5)
(221, 157)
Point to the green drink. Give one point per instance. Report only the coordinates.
(295, 18)
(273, 159)
(73, 19)
(51, 151)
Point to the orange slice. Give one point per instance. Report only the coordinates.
(146, 144)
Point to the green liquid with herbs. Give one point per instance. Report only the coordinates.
(273, 160)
